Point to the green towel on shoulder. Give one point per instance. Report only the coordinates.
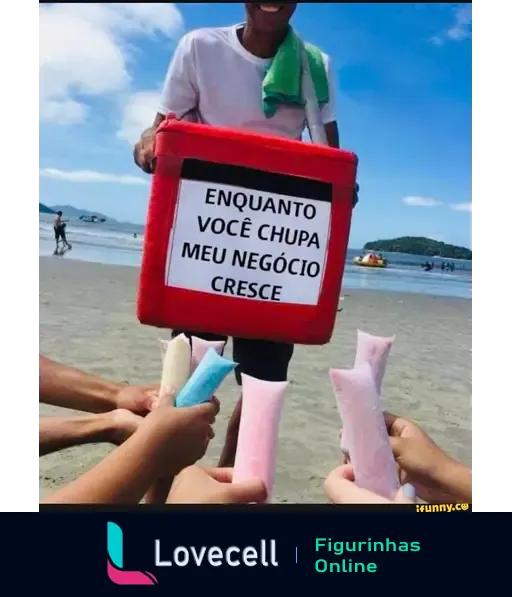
(282, 82)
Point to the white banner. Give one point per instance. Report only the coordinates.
(248, 243)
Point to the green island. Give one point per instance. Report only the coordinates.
(419, 245)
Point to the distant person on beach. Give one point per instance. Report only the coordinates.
(59, 228)
(210, 67)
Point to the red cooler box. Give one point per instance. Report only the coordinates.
(246, 234)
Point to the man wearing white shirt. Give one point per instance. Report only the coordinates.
(215, 77)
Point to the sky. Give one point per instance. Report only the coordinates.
(403, 75)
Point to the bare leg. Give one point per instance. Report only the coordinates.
(227, 457)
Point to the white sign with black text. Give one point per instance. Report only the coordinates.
(248, 243)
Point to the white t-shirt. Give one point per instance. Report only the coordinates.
(213, 79)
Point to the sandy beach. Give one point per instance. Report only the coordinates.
(87, 319)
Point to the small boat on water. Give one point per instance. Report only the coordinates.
(371, 260)
(92, 219)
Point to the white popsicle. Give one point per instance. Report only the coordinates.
(175, 373)
(176, 367)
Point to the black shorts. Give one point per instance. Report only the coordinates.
(60, 232)
(259, 358)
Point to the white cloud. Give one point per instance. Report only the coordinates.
(461, 206)
(90, 176)
(138, 113)
(84, 52)
(414, 201)
(460, 29)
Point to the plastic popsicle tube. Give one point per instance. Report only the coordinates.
(175, 367)
(370, 448)
(163, 347)
(199, 348)
(256, 453)
(375, 351)
(175, 373)
(205, 380)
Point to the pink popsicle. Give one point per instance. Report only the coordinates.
(199, 348)
(375, 351)
(370, 449)
(256, 452)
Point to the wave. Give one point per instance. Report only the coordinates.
(121, 236)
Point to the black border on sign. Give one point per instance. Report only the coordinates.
(256, 180)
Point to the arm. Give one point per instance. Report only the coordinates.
(328, 111)
(122, 477)
(454, 481)
(57, 433)
(64, 386)
(167, 440)
(436, 476)
(331, 131)
(179, 96)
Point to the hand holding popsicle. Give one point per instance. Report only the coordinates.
(436, 476)
(341, 488)
(175, 372)
(167, 440)
(196, 390)
(370, 449)
(188, 432)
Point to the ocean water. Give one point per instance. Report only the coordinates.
(115, 244)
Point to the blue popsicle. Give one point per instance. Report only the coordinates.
(205, 380)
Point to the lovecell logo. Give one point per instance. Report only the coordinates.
(115, 561)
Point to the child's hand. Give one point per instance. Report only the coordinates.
(196, 485)
(340, 488)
